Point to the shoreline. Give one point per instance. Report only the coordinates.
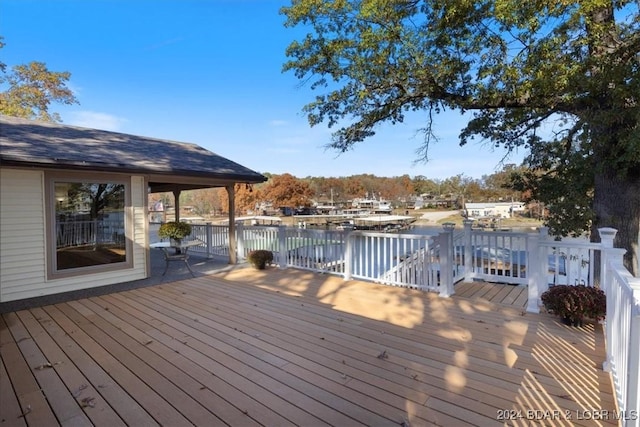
(425, 219)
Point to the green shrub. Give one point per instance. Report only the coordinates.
(575, 303)
(260, 258)
(174, 230)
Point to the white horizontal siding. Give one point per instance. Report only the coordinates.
(22, 247)
(22, 241)
(140, 229)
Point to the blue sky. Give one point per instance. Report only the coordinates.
(210, 73)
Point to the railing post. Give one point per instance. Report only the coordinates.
(348, 255)
(607, 235)
(209, 243)
(633, 394)
(537, 269)
(282, 246)
(608, 256)
(536, 279)
(468, 253)
(446, 263)
(240, 240)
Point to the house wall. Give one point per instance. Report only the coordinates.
(23, 270)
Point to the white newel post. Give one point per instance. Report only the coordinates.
(282, 246)
(240, 239)
(446, 262)
(535, 279)
(468, 254)
(209, 234)
(607, 234)
(348, 255)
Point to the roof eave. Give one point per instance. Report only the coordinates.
(252, 178)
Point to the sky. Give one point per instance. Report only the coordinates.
(209, 72)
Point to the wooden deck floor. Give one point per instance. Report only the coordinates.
(286, 347)
(515, 296)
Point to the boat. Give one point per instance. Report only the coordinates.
(373, 206)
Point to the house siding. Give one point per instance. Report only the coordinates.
(139, 221)
(23, 245)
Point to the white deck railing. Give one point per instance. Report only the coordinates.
(407, 260)
(436, 263)
(622, 330)
(89, 232)
(499, 255)
(414, 260)
(216, 238)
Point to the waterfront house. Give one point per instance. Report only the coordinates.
(493, 209)
(73, 202)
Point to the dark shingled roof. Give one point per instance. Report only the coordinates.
(52, 145)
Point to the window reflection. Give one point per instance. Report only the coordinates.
(90, 224)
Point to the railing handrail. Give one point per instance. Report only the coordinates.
(570, 244)
(623, 335)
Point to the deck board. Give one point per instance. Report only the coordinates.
(8, 401)
(33, 404)
(286, 347)
(71, 379)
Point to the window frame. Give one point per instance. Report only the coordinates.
(51, 178)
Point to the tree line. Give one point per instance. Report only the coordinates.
(288, 191)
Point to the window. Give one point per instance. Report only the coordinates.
(88, 225)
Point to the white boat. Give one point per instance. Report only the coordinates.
(373, 206)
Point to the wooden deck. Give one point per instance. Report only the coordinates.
(286, 347)
(515, 296)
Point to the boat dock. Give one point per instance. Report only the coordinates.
(383, 222)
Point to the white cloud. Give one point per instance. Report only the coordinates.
(95, 120)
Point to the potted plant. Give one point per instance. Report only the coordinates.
(260, 258)
(175, 230)
(575, 303)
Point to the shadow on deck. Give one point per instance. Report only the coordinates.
(287, 347)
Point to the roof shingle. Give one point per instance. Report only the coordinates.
(53, 145)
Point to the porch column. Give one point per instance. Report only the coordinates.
(176, 202)
(233, 246)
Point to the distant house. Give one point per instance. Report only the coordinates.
(73, 202)
(493, 209)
